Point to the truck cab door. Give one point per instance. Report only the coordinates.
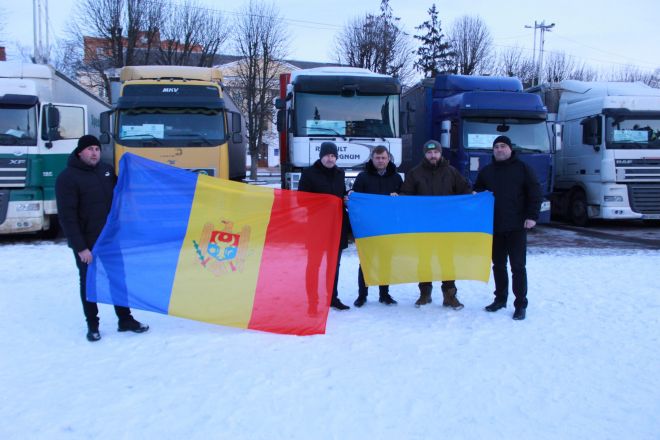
(60, 128)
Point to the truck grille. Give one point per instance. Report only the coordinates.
(637, 170)
(13, 173)
(644, 198)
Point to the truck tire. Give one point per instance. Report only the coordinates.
(577, 209)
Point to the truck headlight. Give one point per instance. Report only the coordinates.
(22, 207)
(613, 198)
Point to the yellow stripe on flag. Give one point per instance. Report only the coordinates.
(219, 261)
(419, 257)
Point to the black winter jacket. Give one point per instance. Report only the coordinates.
(516, 189)
(441, 179)
(84, 198)
(371, 182)
(321, 180)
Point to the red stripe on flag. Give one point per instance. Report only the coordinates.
(297, 269)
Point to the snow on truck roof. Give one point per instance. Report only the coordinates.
(25, 70)
(130, 73)
(335, 71)
(608, 88)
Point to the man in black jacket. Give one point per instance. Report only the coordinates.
(379, 177)
(435, 177)
(84, 197)
(324, 177)
(517, 204)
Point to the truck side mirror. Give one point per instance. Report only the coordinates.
(235, 122)
(104, 138)
(558, 136)
(445, 134)
(591, 132)
(280, 121)
(53, 124)
(105, 122)
(280, 104)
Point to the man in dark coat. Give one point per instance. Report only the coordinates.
(435, 177)
(517, 204)
(324, 177)
(379, 177)
(84, 197)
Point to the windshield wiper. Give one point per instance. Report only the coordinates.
(528, 150)
(143, 137)
(191, 134)
(332, 130)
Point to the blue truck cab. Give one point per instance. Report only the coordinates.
(466, 113)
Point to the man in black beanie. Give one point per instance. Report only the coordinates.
(84, 197)
(324, 177)
(517, 204)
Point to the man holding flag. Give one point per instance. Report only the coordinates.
(435, 177)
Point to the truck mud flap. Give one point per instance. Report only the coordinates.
(4, 205)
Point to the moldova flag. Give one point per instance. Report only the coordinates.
(409, 239)
(217, 251)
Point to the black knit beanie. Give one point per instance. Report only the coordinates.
(85, 141)
(328, 148)
(502, 139)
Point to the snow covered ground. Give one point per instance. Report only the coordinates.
(585, 364)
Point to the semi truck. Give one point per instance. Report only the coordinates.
(42, 115)
(352, 107)
(607, 138)
(176, 115)
(466, 114)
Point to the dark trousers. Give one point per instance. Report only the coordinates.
(312, 276)
(90, 309)
(511, 245)
(363, 289)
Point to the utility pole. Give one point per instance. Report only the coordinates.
(40, 24)
(543, 27)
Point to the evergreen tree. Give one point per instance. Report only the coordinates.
(434, 54)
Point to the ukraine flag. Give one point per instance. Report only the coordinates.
(408, 239)
(217, 251)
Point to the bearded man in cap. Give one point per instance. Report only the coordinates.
(84, 197)
(517, 204)
(324, 177)
(435, 177)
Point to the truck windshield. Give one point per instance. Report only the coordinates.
(358, 115)
(18, 125)
(632, 132)
(527, 135)
(171, 126)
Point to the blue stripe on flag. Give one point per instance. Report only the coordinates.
(373, 215)
(150, 199)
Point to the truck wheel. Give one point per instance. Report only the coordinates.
(577, 209)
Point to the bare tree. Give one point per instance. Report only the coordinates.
(473, 45)
(261, 41)
(630, 73)
(557, 67)
(512, 62)
(190, 29)
(583, 72)
(377, 43)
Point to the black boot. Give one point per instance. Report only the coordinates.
(93, 334)
(361, 299)
(132, 325)
(424, 295)
(495, 306)
(386, 299)
(337, 304)
(519, 313)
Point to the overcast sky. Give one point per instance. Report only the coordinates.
(606, 33)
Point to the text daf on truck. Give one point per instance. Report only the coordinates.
(42, 115)
(607, 164)
(354, 108)
(466, 114)
(177, 115)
